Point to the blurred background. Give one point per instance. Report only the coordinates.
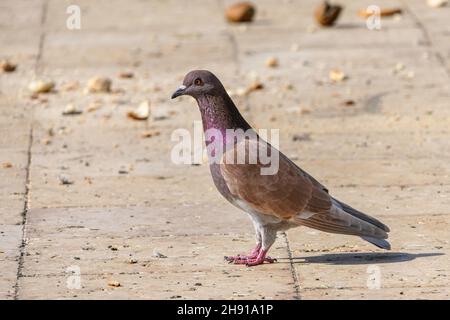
(93, 207)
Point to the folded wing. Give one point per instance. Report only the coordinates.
(292, 194)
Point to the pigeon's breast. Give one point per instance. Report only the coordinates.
(220, 183)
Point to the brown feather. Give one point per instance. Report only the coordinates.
(284, 194)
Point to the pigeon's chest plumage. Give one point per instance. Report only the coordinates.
(220, 183)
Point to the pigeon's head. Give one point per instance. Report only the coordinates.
(199, 82)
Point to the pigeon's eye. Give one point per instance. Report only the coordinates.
(198, 82)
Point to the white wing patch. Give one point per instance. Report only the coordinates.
(305, 215)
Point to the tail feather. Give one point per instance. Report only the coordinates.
(362, 216)
(343, 219)
(380, 243)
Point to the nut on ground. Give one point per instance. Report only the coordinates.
(240, 12)
(272, 62)
(41, 86)
(114, 283)
(99, 84)
(6, 66)
(140, 113)
(326, 14)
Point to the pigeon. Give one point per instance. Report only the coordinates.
(276, 201)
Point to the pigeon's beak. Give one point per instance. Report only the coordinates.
(179, 92)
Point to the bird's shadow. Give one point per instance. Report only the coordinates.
(362, 258)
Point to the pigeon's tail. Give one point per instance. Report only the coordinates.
(343, 219)
(360, 215)
(378, 238)
(380, 243)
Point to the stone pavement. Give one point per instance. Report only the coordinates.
(386, 152)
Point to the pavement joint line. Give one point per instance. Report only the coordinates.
(26, 206)
(233, 42)
(426, 34)
(292, 268)
(42, 37)
(24, 217)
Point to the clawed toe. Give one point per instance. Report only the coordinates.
(256, 257)
(257, 261)
(249, 261)
(238, 259)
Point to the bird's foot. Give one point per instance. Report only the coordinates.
(240, 259)
(251, 260)
(255, 262)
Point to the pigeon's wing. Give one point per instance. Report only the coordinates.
(292, 194)
(284, 194)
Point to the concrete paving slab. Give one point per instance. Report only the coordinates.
(194, 268)
(417, 260)
(385, 152)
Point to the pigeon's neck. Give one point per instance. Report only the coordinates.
(220, 113)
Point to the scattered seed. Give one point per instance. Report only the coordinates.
(149, 134)
(436, 3)
(337, 75)
(114, 283)
(240, 12)
(64, 180)
(141, 113)
(7, 165)
(398, 67)
(126, 75)
(6, 66)
(99, 84)
(46, 141)
(272, 62)
(254, 86)
(71, 110)
(326, 14)
(41, 86)
(349, 103)
(158, 254)
(304, 111)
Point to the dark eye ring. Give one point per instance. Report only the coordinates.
(198, 82)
